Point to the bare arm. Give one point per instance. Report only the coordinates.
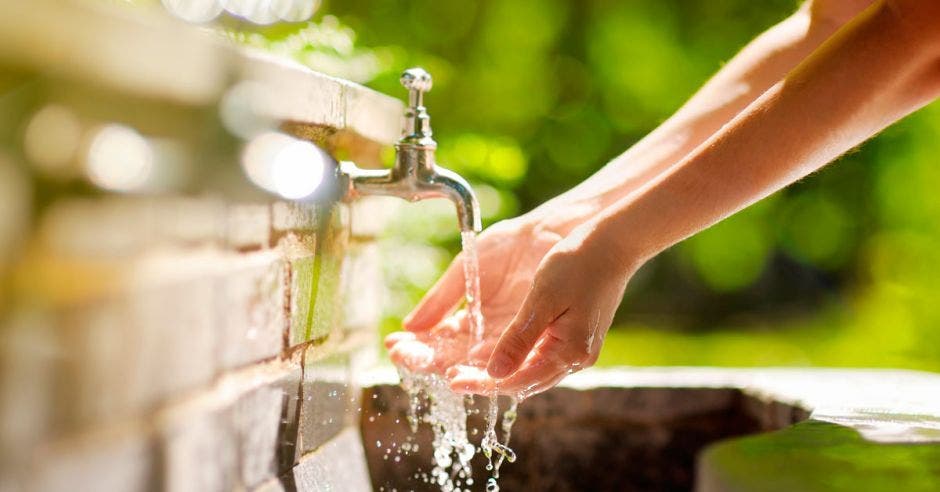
(878, 68)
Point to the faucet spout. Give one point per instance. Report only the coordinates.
(415, 175)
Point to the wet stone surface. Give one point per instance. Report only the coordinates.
(704, 429)
(642, 438)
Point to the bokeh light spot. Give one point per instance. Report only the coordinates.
(284, 165)
(52, 139)
(119, 159)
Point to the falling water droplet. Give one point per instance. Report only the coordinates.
(491, 485)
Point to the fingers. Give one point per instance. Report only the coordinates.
(433, 350)
(413, 354)
(550, 361)
(439, 301)
(396, 337)
(520, 336)
(540, 372)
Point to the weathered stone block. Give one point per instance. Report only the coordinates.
(119, 460)
(188, 221)
(173, 335)
(98, 377)
(334, 239)
(289, 428)
(248, 226)
(293, 216)
(327, 304)
(106, 228)
(325, 401)
(252, 303)
(274, 485)
(304, 270)
(364, 288)
(264, 422)
(199, 450)
(27, 371)
(337, 465)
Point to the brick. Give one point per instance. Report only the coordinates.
(373, 115)
(154, 340)
(364, 288)
(173, 337)
(257, 420)
(199, 451)
(333, 240)
(293, 216)
(325, 401)
(248, 226)
(270, 486)
(303, 276)
(120, 460)
(98, 375)
(189, 221)
(27, 370)
(337, 465)
(251, 301)
(327, 303)
(287, 449)
(104, 228)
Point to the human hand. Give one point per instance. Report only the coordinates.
(509, 253)
(561, 323)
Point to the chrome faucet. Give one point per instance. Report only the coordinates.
(415, 175)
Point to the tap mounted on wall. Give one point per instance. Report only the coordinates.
(415, 175)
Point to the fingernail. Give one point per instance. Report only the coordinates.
(498, 367)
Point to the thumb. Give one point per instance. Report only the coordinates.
(520, 336)
(440, 300)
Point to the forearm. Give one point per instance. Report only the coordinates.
(875, 70)
(758, 66)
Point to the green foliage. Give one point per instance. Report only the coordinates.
(532, 96)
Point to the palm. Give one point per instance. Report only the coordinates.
(509, 255)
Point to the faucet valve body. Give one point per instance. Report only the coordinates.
(415, 175)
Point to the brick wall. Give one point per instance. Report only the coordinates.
(187, 344)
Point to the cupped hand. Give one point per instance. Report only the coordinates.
(560, 325)
(509, 253)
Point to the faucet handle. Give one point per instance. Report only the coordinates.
(418, 81)
(417, 120)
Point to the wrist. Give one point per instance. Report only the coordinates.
(562, 216)
(624, 250)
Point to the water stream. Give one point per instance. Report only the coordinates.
(432, 402)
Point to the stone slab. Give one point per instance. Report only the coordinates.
(326, 402)
(252, 305)
(120, 460)
(834, 429)
(154, 56)
(338, 465)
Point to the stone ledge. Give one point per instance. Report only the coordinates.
(153, 56)
(649, 424)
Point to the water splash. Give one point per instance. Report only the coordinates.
(471, 274)
(432, 402)
(490, 444)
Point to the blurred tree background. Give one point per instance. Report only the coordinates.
(532, 96)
